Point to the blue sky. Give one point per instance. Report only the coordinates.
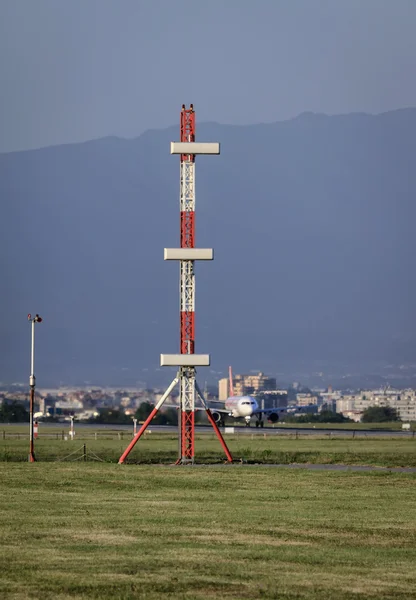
(81, 69)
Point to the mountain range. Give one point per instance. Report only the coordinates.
(312, 225)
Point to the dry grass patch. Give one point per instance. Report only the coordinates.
(93, 531)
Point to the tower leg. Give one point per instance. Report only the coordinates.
(187, 436)
(146, 423)
(214, 425)
(186, 423)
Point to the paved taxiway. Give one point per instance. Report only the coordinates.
(241, 430)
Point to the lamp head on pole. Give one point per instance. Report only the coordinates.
(35, 319)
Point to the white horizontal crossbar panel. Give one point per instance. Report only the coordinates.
(194, 148)
(184, 360)
(189, 254)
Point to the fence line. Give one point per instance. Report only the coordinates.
(83, 455)
(65, 435)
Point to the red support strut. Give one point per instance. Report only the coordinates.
(219, 435)
(137, 436)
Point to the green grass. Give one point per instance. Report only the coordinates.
(261, 448)
(104, 531)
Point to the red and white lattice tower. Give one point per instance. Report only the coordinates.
(187, 290)
(187, 254)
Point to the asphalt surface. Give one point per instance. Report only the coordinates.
(293, 430)
(237, 429)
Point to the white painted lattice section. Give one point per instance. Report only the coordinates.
(187, 277)
(187, 388)
(187, 189)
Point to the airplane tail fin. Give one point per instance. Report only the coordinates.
(230, 376)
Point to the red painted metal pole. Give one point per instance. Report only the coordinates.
(219, 435)
(146, 423)
(31, 444)
(137, 437)
(214, 425)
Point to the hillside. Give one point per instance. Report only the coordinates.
(311, 221)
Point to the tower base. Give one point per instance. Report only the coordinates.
(189, 388)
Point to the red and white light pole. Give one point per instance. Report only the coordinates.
(187, 360)
(71, 427)
(32, 384)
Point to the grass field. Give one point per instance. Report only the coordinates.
(106, 531)
(261, 448)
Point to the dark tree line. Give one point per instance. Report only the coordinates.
(379, 414)
(326, 416)
(13, 412)
(117, 417)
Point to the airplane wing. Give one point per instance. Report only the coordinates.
(279, 409)
(220, 410)
(265, 411)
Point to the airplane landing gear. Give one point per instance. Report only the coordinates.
(248, 419)
(260, 423)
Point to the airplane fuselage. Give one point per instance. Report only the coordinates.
(241, 406)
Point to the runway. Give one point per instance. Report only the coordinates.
(282, 431)
(239, 430)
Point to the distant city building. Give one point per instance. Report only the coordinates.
(66, 407)
(329, 396)
(403, 401)
(245, 385)
(83, 402)
(306, 399)
(223, 389)
(345, 404)
(272, 398)
(42, 406)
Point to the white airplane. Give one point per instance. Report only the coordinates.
(245, 407)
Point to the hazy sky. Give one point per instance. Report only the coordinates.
(73, 70)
